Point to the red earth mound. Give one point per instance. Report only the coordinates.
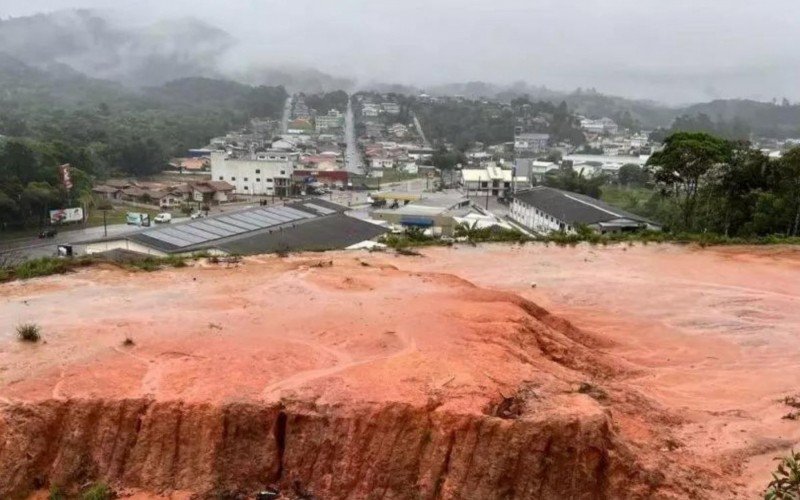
(372, 376)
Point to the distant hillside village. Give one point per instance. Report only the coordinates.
(439, 167)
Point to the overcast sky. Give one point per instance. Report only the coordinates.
(668, 50)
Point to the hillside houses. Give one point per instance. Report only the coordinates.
(165, 195)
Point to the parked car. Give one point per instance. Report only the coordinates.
(49, 232)
(163, 218)
(196, 215)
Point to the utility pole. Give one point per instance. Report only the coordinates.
(105, 226)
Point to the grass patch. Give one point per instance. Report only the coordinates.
(56, 493)
(29, 332)
(98, 491)
(45, 266)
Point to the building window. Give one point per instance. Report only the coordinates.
(245, 188)
(245, 179)
(283, 172)
(258, 171)
(269, 180)
(258, 180)
(233, 178)
(221, 178)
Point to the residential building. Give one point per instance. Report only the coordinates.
(534, 170)
(601, 126)
(252, 176)
(544, 210)
(382, 162)
(300, 126)
(211, 192)
(107, 192)
(491, 180)
(390, 108)
(370, 110)
(398, 130)
(333, 120)
(530, 143)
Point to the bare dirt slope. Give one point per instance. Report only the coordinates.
(372, 376)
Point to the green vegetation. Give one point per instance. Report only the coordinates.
(56, 493)
(463, 122)
(327, 101)
(11, 269)
(785, 484)
(150, 264)
(576, 182)
(44, 266)
(29, 332)
(709, 185)
(102, 129)
(98, 491)
(628, 198)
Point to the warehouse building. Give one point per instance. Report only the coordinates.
(544, 209)
(301, 226)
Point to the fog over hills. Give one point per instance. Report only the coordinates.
(102, 45)
(142, 51)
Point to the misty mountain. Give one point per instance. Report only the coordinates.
(100, 47)
(95, 44)
(296, 79)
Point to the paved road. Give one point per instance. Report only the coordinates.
(421, 132)
(287, 112)
(34, 248)
(353, 162)
(410, 186)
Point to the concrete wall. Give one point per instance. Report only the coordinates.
(121, 244)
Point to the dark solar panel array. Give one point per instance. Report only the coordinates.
(210, 229)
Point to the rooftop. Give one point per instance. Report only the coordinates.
(574, 208)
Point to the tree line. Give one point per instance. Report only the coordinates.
(710, 184)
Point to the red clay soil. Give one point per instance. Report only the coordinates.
(349, 375)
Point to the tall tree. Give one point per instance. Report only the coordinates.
(683, 164)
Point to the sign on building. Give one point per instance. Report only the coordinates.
(66, 178)
(66, 215)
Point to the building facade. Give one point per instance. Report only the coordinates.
(526, 143)
(544, 210)
(270, 176)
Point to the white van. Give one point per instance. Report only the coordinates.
(163, 218)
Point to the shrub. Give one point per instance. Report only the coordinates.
(56, 494)
(98, 491)
(29, 332)
(785, 484)
(41, 267)
(128, 342)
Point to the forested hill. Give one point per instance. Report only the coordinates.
(727, 117)
(59, 104)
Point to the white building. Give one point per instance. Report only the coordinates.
(492, 180)
(601, 126)
(269, 175)
(332, 120)
(380, 162)
(545, 210)
(390, 108)
(531, 143)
